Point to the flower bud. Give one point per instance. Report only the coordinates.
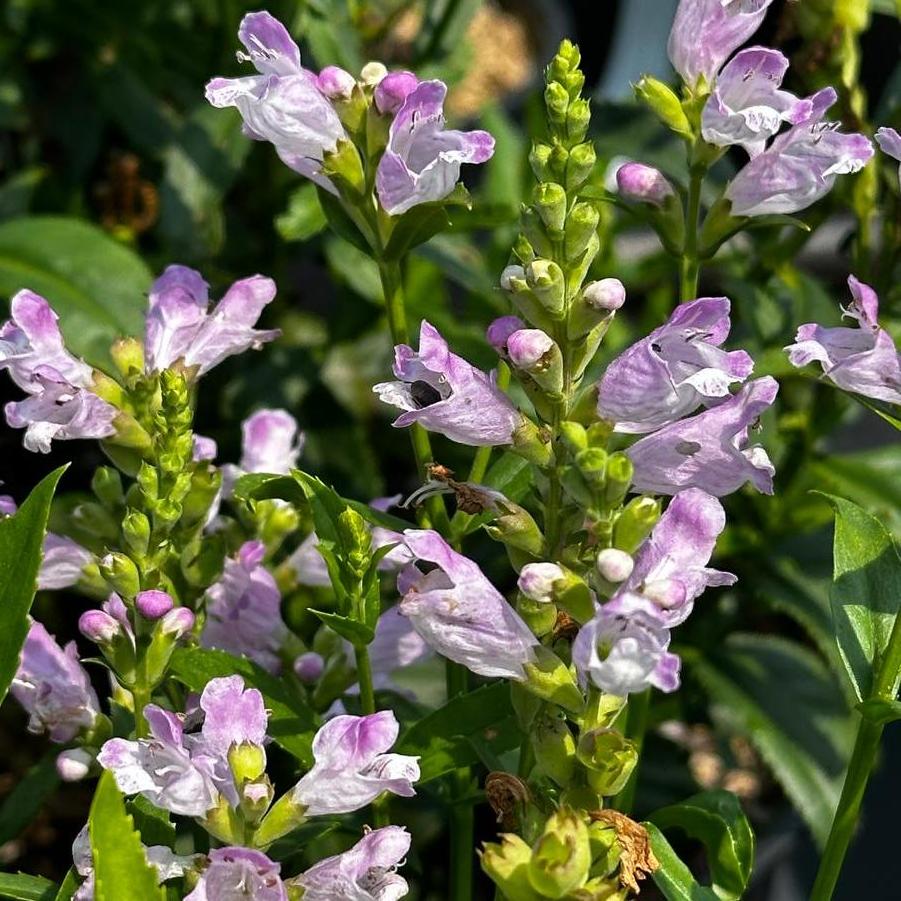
(536, 581)
(356, 539)
(548, 284)
(247, 762)
(309, 667)
(609, 759)
(561, 858)
(392, 91)
(128, 355)
(579, 165)
(614, 565)
(578, 118)
(74, 764)
(507, 864)
(504, 326)
(136, 532)
(372, 73)
(517, 529)
(536, 353)
(581, 227)
(635, 522)
(177, 622)
(643, 184)
(592, 465)
(510, 276)
(619, 479)
(554, 747)
(99, 627)
(564, 61)
(665, 103)
(107, 485)
(121, 574)
(336, 83)
(540, 159)
(574, 435)
(153, 604)
(606, 295)
(556, 100)
(549, 200)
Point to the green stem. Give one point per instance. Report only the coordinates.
(462, 825)
(863, 757)
(393, 291)
(690, 265)
(141, 697)
(636, 726)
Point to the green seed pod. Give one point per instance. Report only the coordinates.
(609, 759)
(665, 103)
(561, 858)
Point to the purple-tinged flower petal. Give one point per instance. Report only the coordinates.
(74, 764)
(396, 645)
(8, 505)
(460, 613)
(422, 161)
(308, 564)
(58, 411)
(709, 450)
(352, 767)
(98, 626)
(178, 307)
(800, 166)
(239, 874)
(269, 46)
(501, 329)
(674, 370)
(53, 687)
(62, 562)
(606, 294)
(747, 107)
(285, 104)
(270, 443)
(671, 569)
(31, 342)
(161, 768)
(153, 603)
(366, 872)
(889, 142)
(445, 394)
(863, 360)
(244, 610)
(336, 83)
(622, 655)
(391, 92)
(309, 667)
(643, 184)
(536, 581)
(204, 449)
(705, 32)
(527, 347)
(233, 715)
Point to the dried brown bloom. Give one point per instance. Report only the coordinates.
(637, 860)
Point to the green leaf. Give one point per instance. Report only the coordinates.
(452, 735)
(21, 540)
(326, 506)
(96, 285)
(121, 871)
(356, 633)
(886, 411)
(866, 592)
(26, 799)
(716, 819)
(304, 216)
(425, 220)
(22, 887)
(789, 705)
(291, 722)
(69, 886)
(673, 878)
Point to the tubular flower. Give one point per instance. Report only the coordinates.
(237, 874)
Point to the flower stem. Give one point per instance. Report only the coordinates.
(690, 265)
(393, 292)
(141, 698)
(636, 726)
(863, 757)
(462, 825)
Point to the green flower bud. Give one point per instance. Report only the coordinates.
(592, 464)
(507, 865)
(535, 352)
(355, 539)
(128, 355)
(605, 852)
(121, 574)
(578, 117)
(148, 479)
(129, 432)
(540, 160)
(574, 436)
(344, 167)
(556, 100)
(554, 746)
(203, 490)
(665, 103)
(247, 762)
(284, 816)
(581, 227)
(256, 796)
(564, 61)
(609, 759)
(549, 200)
(107, 485)
(136, 532)
(635, 522)
(599, 433)
(548, 284)
(619, 478)
(532, 443)
(561, 858)
(523, 250)
(579, 165)
(550, 678)
(516, 528)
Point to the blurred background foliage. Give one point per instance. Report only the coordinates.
(112, 165)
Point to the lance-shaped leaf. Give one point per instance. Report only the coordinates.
(866, 592)
(672, 877)
(716, 819)
(121, 871)
(21, 540)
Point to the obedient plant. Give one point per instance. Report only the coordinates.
(260, 637)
